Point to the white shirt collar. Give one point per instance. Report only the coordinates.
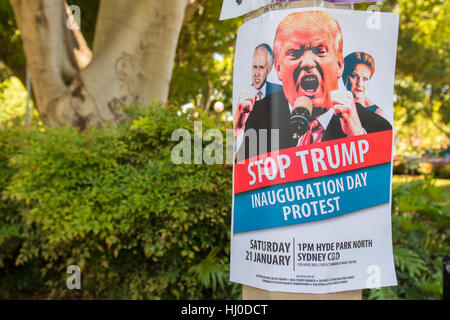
(263, 90)
(324, 118)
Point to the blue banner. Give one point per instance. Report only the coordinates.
(313, 199)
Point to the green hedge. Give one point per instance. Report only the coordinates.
(419, 166)
(112, 202)
(420, 220)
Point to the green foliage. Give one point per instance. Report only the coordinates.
(213, 274)
(13, 102)
(12, 57)
(422, 96)
(422, 104)
(444, 171)
(15, 280)
(204, 58)
(111, 201)
(420, 235)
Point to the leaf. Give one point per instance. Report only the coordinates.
(407, 260)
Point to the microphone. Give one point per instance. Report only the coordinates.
(241, 117)
(301, 116)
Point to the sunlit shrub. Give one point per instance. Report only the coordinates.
(111, 201)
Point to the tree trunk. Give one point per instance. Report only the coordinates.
(133, 52)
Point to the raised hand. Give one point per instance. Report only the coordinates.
(245, 106)
(345, 108)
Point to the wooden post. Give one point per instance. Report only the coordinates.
(251, 293)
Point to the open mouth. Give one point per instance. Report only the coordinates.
(309, 83)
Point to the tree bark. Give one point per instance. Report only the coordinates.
(133, 52)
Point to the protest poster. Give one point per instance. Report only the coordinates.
(236, 8)
(313, 108)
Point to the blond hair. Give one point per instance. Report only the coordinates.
(317, 21)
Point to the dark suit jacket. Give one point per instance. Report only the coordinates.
(273, 112)
(270, 113)
(370, 121)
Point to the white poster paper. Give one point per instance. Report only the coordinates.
(312, 202)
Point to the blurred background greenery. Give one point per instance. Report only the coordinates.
(104, 199)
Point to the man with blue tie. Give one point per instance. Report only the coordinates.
(261, 66)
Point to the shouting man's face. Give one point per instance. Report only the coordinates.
(307, 61)
(260, 68)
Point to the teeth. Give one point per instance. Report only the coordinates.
(309, 82)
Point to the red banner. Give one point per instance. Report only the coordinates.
(306, 162)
